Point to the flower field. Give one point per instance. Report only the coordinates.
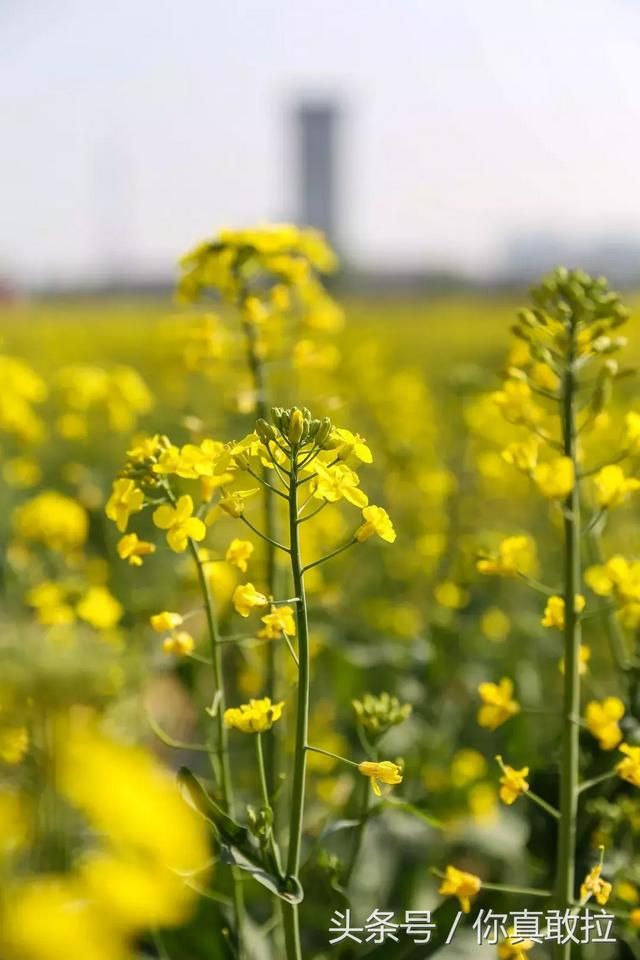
(319, 619)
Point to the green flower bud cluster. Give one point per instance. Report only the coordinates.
(377, 714)
(296, 426)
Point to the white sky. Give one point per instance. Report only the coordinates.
(466, 122)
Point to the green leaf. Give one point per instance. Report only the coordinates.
(238, 847)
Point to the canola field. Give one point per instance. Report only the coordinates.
(319, 619)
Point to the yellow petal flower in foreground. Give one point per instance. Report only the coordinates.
(385, 771)
(554, 611)
(351, 443)
(255, 716)
(179, 523)
(515, 555)
(612, 487)
(338, 482)
(377, 521)
(498, 704)
(457, 883)
(602, 719)
(165, 621)
(513, 783)
(131, 548)
(280, 620)
(629, 768)
(555, 480)
(238, 553)
(246, 597)
(594, 886)
(125, 499)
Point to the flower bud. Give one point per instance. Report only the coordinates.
(324, 431)
(296, 426)
(265, 431)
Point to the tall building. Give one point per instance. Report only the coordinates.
(317, 161)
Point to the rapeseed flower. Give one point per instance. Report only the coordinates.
(612, 487)
(462, 885)
(164, 621)
(255, 716)
(132, 548)
(554, 611)
(594, 886)
(629, 768)
(336, 483)
(238, 553)
(56, 521)
(556, 479)
(377, 521)
(180, 524)
(384, 771)
(513, 783)
(280, 620)
(100, 608)
(498, 704)
(246, 598)
(601, 718)
(516, 555)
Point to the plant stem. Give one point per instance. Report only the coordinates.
(265, 799)
(565, 876)
(221, 746)
(365, 801)
(290, 911)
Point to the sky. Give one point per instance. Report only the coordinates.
(131, 129)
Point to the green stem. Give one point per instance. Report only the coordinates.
(265, 800)
(221, 745)
(290, 911)
(565, 876)
(543, 804)
(365, 803)
(587, 784)
(328, 556)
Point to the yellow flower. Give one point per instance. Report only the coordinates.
(602, 718)
(238, 553)
(14, 743)
(350, 443)
(523, 455)
(555, 480)
(629, 768)
(246, 597)
(377, 520)
(179, 523)
(165, 621)
(634, 918)
(233, 503)
(632, 421)
(513, 783)
(384, 770)
(450, 595)
(554, 611)
(495, 624)
(462, 885)
(516, 555)
(54, 520)
(583, 662)
(612, 487)
(131, 548)
(255, 716)
(99, 608)
(50, 601)
(467, 765)
(594, 886)
(125, 499)
(510, 949)
(337, 482)
(280, 620)
(516, 403)
(180, 642)
(498, 704)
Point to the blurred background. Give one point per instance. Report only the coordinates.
(458, 144)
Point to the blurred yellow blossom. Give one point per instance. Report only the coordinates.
(498, 704)
(594, 886)
(377, 521)
(513, 783)
(246, 598)
(554, 611)
(125, 499)
(601, 718)
(238, 553)
(556, 478)
(629, 768)
(462, 885)
(612, 487)
(131, 548)
(99, 608)
(52, 519)
(515, 555)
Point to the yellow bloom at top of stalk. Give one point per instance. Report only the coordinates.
(513, 783)
(554, 611)
(498, 703)
(462, 885)
(239, 553)
(594, 886)
(246, 598)
(180, 524)
(629, 768)
(601, 718)
(612, 487)
(125, 499)
(337, 482)
(132, 548)
(376, 521)
(515, 555)
(555, 479)
(255, 716)
(384, 771)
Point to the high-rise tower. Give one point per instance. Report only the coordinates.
(317, 133)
